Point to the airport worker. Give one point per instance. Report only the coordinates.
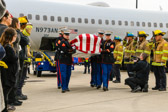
(99, 62)
(57, 54)
(87, 65)
(118, 56)
(65, 60)
(107, 47)
(160, 50)
(129, 50)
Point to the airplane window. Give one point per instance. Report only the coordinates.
(92, 21)
(132, 23)
(137, 23)
(29, 16)
(107, 22)
(79, 20)
(21, 15)
(143, 24)
(155, 24)
(66, 19)
(37, 17)
(73, 20)
(161, 25)
(86, 20)
(100, 21)
(113, 22)
(45, 18)
(166, 25)
(126, 23)
(119, 23)
(59, 19)
(149, 24)
(52, 18)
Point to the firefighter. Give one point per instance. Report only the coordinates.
(57, 54)
(65, 60)
(129, 50)
(99, 62)
(118, 56)
(107, 58)
(160, 50)
(142, 45)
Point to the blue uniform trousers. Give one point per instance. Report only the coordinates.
(106, 74)
(59, 81)
(99, 74)
(94, 74)
(65, 75)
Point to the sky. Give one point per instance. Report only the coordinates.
(129, 4)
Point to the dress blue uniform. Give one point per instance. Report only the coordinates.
(57, 54)
(99, 70)
(107, 60)
(65, 62)
(93, 81)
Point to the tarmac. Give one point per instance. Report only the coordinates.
(43, 96)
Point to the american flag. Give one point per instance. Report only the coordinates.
(73, 31)
(87, 43)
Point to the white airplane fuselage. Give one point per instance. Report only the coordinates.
(48, 28)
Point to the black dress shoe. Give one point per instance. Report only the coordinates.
(162, 89)
(105, 89)
(16, 103)
(116, 81)
(98, 87)
(63, 91)
(155, 88)
(92, 85)
(59, 87)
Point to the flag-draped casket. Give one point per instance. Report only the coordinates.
(86, 45)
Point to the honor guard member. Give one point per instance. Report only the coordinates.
(57, 54)
(107, 58)
(129, 50)
(93, 82)
(65, 60)
(160, 50)
(99, 62)
(118, 56)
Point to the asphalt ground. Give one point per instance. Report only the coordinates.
(43, 96)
